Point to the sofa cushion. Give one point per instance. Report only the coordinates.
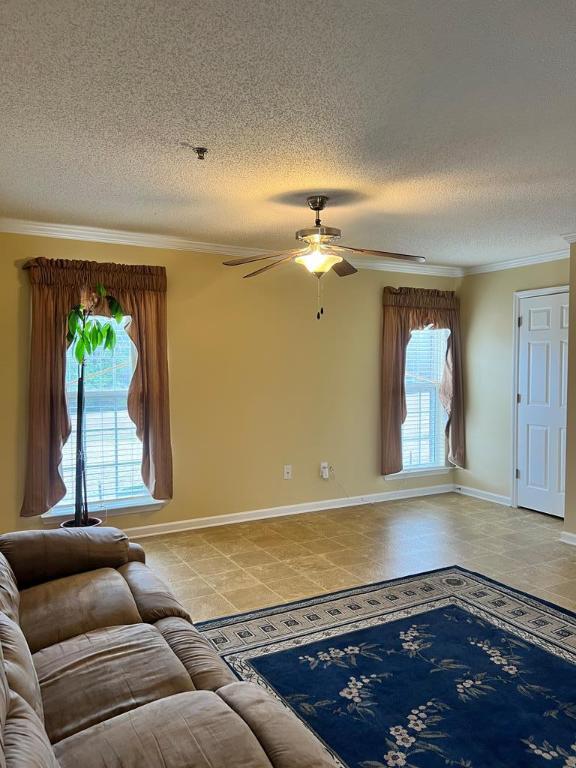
(189, 730)
(285, 740)
(92, 677)
(38, 556)
(18, 665)
(205, 667)
(25, 742)
(9, 594)
(63, 608)
(153, 598)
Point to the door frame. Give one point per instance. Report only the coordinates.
(518, 295)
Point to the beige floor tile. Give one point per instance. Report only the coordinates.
(318, 552)
(250, 598)
(485, 563)
(192, 554)
(286, 551)
(211, 565)
(565, 588)
(538, 576)
(272, 571)
(496, 545)
(254, 557)
(230, 580)
(367, 573)
(322, 546)
(209, 607)
(349, 540)
(334, 579)
(561, 600)
(346, 557)
(528, 555)
(311, 564)
(186, 590)
(178, 573)
(155, 559)
(565, 567)
(269, 539)
(230, 547)
(220, 533)
(296, 589)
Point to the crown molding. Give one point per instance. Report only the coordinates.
(146, 240)
(526, 261)
(121, 237)
(393, 265)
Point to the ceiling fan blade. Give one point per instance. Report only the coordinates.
(344, 268)
(380, 254)
(270, 266)
(248, 259)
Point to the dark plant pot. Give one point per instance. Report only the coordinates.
(91, 522)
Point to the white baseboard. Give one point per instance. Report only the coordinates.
(495, 498)
(195, 523)
(290, 509)
(568, 538)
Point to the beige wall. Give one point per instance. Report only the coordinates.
(256, 380)
(570, 515)
(487, 309)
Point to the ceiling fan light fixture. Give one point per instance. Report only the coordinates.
(318, 259)
(320, 253)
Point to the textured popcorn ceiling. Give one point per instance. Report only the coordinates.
(453, 120)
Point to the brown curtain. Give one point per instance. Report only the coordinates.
(56, 286)
(406, 310)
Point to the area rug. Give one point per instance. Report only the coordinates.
(445, 668)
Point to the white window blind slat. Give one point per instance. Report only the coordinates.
(423, 437)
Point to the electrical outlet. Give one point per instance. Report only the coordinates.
(324, 470)
(287, 471)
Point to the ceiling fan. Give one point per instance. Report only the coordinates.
(320, 254)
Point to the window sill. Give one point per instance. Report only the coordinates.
(124, 507)
(420, 472)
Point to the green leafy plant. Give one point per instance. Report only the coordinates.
(88, 334)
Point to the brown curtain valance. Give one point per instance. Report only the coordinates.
(406, 310)
(56, 286)
(86, 274)
(422, 306)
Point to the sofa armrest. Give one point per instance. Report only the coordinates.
(153, 598)
(136, 552)
(38, 556)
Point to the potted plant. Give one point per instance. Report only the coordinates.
(88, 334)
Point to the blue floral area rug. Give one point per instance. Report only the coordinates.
(447, 668)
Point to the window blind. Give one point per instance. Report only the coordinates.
(423, 437)
(113, 452)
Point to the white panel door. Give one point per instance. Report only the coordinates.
(542, 394)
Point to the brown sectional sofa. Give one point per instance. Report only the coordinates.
(103, 668)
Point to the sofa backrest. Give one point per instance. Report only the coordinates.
(38, 556)
(23, 739)
(18, 665)
(9, 595)
(24, 742)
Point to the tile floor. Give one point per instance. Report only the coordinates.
(235, 568)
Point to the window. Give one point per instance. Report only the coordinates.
(423, 432)
(113, 452)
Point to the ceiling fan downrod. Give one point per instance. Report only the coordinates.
(317, 203)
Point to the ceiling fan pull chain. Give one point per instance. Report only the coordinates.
(319, 297)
